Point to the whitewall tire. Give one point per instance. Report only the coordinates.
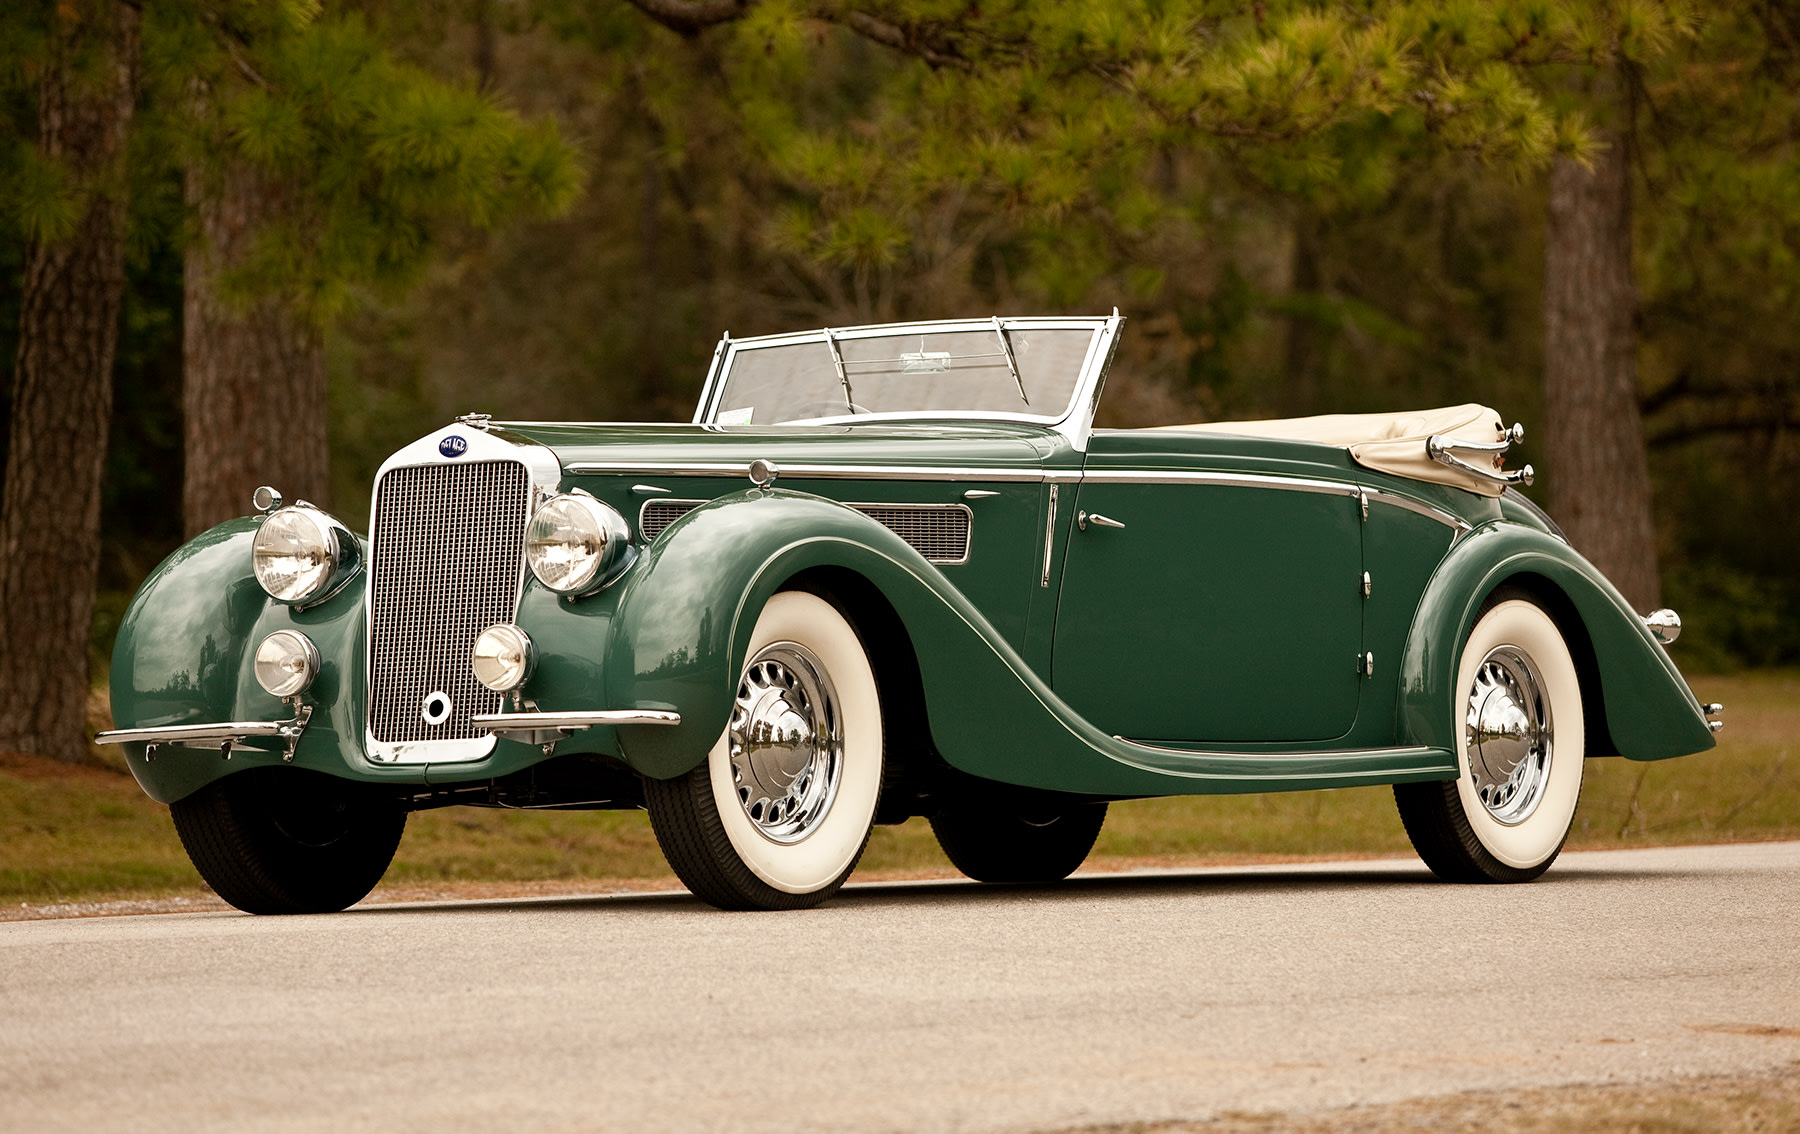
(779, 814)
(1520, 745)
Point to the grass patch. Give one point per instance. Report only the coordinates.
(71, 834)
(1734, 1104)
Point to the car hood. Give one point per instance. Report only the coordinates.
(605, 446)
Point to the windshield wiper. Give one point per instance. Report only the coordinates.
(1012, 363)
(837, 359)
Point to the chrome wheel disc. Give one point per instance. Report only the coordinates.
(1507, 730)
(786, 742)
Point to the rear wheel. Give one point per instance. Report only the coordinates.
(1014, 842)
(778, 815)
(289, 840)
(1520, 745)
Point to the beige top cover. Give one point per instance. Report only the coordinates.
(1388, 442)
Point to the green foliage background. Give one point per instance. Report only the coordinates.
(1302, 209)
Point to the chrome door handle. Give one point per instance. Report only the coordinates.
(1083, 519)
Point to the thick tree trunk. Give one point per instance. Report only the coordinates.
(1599, 470)
(62, 388)
(1302, 346)
(253, 370)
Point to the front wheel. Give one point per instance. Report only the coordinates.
(778, 815)
(1520, 745)
(289, 840)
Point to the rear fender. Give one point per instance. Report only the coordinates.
(1649, 712)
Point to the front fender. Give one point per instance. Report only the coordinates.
(1649, 711)
(683, 618)
(184, 656)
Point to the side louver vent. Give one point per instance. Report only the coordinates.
(939, 532)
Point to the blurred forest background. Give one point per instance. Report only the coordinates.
(553, 208)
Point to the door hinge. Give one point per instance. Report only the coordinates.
(1365, 664)
(1362, 503)
(1368, 584)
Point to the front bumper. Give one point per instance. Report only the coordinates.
(222, 736)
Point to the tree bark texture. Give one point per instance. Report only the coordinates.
(1599, 468)
(253, 371)
(62, 387)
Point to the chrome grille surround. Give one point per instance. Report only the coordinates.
(446, 561)
(398, 588)
(939, 532)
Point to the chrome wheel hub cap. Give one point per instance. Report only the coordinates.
(1507, 730)
(786, 742)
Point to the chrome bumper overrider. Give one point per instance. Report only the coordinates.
(221, 736)
(547, 728)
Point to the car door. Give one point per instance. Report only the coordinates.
(1205, 605)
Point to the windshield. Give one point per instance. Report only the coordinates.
(1009, 368)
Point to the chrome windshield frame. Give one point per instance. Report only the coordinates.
(1076, 421)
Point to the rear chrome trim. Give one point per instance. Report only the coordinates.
(1419, 507)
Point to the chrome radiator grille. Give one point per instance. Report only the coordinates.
(939, 532)
(449, 545)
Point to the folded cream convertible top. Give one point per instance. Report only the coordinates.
(1388, 442)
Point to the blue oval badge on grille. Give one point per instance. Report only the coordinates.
(453, 446)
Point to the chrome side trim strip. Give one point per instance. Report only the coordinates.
(1430, 511)
(819, 472)
(1346, 765)
(1227, 479)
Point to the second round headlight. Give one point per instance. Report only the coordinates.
(575, 543)
(502, 657)
(286, 663)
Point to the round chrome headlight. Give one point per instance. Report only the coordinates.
(576, 544)
(286, 663)
(502, 657)
(299, 552)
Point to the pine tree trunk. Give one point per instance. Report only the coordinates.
(1598, 466)
(62, 388)
(253, 373)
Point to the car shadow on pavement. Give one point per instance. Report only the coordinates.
(1211, 881)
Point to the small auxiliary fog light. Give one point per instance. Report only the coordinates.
(502, 657)
(286, 663)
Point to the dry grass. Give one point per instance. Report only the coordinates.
(1735, 1104)
(73, 836)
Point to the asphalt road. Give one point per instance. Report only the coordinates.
(918, 1006)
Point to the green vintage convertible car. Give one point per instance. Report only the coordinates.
(889, 571)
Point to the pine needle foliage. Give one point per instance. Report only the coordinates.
(375, 158)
